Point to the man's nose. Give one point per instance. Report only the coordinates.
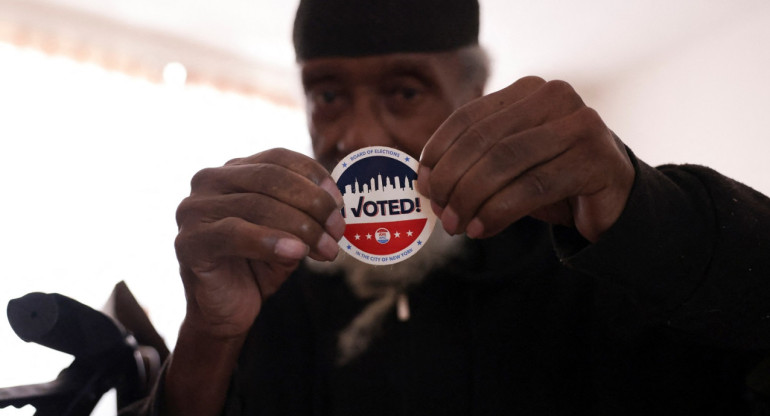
(365, 127)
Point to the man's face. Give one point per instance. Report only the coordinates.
(395, 100)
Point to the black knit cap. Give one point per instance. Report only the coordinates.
(326, 28)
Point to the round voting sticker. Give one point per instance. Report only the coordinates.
(386, 219)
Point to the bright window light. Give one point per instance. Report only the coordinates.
(175, 74)
(93, 164)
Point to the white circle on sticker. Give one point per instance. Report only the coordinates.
(386, 219)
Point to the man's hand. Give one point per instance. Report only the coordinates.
(245, 227)
(533, 148)
(242, 230)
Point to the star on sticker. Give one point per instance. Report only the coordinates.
(409, 233)
(358, 237)
(344, 164)
(407, 158)
(368, 236)
(419, 243)
(397, 234)
(348, 246)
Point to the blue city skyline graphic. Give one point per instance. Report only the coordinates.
(377, 173)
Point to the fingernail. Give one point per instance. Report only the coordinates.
(450, 220)
(423, 176)
(329, 186)
(436, 209)
(328, 247)
(290, 248)
(335, 225)
(475, 228)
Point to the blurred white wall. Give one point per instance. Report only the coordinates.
(92, 166)
(707, 102)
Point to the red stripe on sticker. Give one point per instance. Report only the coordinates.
(384, 238)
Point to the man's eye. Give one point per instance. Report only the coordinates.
(328, 102)
(328, 96)
(407, 93)
(324, 97)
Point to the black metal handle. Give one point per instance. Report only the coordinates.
(64, 324)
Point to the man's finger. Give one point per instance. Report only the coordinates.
(473, 112)
(203, 248)
(502, 164)
(293, 161)
(259, 209)
(273, 181)
(552, 101)
(536, 188)
(573, 173)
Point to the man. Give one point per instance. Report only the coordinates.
(591, 282)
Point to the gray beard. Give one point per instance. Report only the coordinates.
(385, 286)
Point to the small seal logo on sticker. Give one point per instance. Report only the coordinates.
(386, 219)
